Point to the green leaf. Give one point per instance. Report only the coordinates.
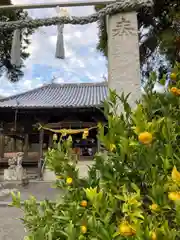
(49, 235)
(115, 234)
(135, 188)
(104, 233)
(119, 197)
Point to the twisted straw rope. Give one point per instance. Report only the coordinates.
(120, 6)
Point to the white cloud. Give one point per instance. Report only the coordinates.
(159, 88)
(28, 84)
(82, 62)
(59, 80)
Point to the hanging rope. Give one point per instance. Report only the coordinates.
(67, 131)
(121, 6)
(60, 52)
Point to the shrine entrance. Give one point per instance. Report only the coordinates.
(123, 67)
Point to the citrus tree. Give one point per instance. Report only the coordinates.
(133, 189)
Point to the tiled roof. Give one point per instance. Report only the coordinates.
(59, 96)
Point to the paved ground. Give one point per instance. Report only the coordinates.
(38, 189)
(11, 227)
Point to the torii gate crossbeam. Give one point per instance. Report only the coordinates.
(60, 4)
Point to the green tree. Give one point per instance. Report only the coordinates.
(162, 34)
(132, 190)
(13, 73)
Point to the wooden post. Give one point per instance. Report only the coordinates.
(21, 145)
(98, 142)
(2, 145)
(41, 140)
(50, 140)
(123, 55)
(13, 144)
(26, 145)
(40, 163)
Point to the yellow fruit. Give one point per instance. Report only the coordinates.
(174, 196)
(154, 207)
(178, 92)
(125, 229)
(153, 236)
(83, 229)
(69, 180)
(175, 174)
(145, 137)
(173, 76)
(174, 90)
(84, 203)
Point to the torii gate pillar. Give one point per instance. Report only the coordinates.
(123, 55)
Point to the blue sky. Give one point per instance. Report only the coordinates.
(83, 63)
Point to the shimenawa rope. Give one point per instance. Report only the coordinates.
(120, 6)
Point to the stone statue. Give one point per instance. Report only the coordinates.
(19, 168)
(19, 158)
(15, 171)
(10, 173)
(12, 163)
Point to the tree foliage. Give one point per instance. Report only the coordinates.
(132, 191)
(162, 35)
(13, 73)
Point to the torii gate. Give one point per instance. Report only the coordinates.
(123, 44)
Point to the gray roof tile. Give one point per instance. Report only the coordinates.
(59, 96)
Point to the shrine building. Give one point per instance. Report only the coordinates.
(55, 106)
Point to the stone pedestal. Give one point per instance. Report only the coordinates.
(10, 175)
(123, 55)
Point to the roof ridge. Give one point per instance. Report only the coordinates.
(104, 83)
